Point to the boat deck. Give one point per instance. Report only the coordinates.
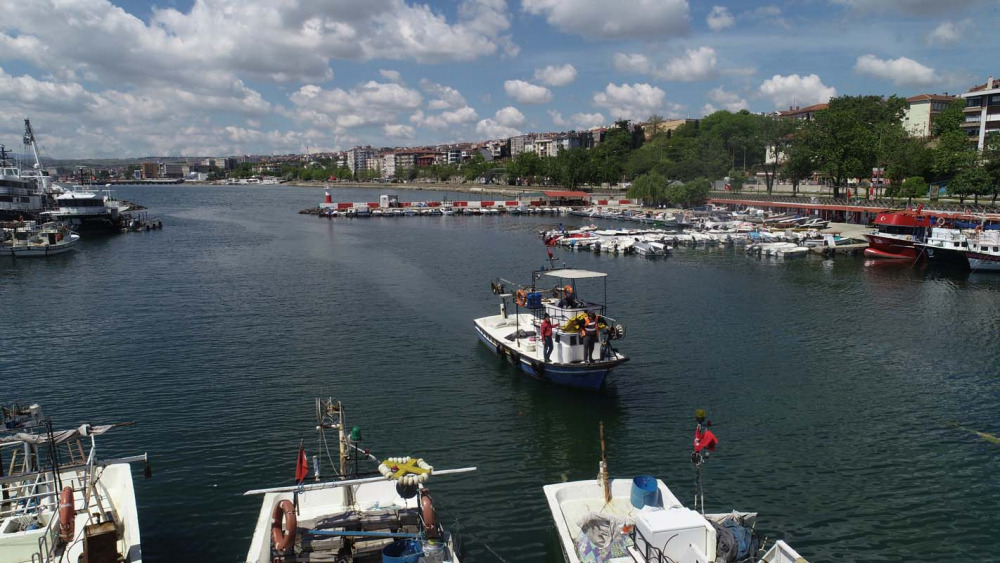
(320, 548)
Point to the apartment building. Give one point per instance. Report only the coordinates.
(982, 111)
(918, 118)
(357, 158)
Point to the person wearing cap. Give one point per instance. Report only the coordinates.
(546, 331)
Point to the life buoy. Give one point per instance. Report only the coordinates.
(522, 298)
(939, 222)
(283, 540)
(67, 515)
(429, 515)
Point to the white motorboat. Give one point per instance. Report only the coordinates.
(447, 211)
(984, 251)
(28, 240)
(643, 248)
(352, 517)
(72, 506)
(641, 521)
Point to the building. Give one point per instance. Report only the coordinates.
(388, 165)
(518, 143)
(921, 110)
(427, 159)
(805, 114)
(150, 170)
(982, 111)
(357, 158)
(650, 129)
(175, 170)
(545, 148)
(373, 165)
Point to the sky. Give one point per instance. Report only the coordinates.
(132, 78)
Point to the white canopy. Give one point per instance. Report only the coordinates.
(570, 274)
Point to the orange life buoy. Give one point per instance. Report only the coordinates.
(522, 298)
(940, 222)
(429, 515)
(283, 540)
(67, 514)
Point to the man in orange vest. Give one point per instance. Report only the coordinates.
(589, 334)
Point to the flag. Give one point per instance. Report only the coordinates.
(549, 252)
(301, 466)
(704, 440)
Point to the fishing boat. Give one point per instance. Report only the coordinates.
(515, 336)
(897, 236)
(61, 502)
(29, 240)
(946, 247)
(640, 520)
(87, 211)
(984, 251)
(352, 516)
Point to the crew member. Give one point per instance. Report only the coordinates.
(589, 334)
(547, 337)
(569, 300)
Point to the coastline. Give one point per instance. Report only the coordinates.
(430, 187)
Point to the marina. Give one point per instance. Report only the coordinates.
(216, 373)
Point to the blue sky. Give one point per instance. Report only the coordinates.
(217, 77)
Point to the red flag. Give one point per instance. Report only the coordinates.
(549, 252)
(704, 440)
(301, 466)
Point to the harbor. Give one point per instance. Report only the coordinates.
(795, 360)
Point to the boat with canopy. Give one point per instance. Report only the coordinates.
(516, 335)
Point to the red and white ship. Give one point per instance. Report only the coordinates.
(898, 233)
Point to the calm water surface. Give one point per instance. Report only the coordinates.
(845, 395)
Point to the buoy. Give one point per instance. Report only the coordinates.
(283, 540)
(67, 515)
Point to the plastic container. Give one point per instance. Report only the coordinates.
(645, 492)
(402, 551)
(534, 300)
(433, 552)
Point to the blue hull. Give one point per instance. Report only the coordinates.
(578, 376)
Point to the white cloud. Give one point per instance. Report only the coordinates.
(708, 109)
(510, 117)
(730, 101)
(793, 89)
(490, 129)
(556, 75)
(630, 101)
(445, 119)
(578, 120)
(770, 14)
(947, 33)
(622, 19)
(908, 7)
(527, 93)
(694, 65)
(391, 75)
(368, 103)
(443, 97)
(399, 131)
(901, 71)
(720, 18)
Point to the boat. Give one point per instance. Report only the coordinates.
(29, 240)
(897, 236)
(640, 520)
(349, 516)
(447, 211)
(984, 251)
(651, 249)
(946, 247)
(514, 336)
(87, 211)
(61, 501)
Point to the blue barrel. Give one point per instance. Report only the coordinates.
(534, 300)
(645, 492)
(402, 551)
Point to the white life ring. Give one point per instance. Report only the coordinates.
(387, 471)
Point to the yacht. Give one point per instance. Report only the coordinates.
(61, 501)
(984, 251)
(352, 516)
(87, 211)
(946, 247)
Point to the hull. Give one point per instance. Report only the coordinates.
(980, 262)
(945, 256)
(92, 224)
(590, 377)
(887, 247)
(41, 250)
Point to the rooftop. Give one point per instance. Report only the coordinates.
(931, 97)
(808, 109)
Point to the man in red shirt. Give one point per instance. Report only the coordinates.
(547, 337)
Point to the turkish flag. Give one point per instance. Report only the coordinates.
(704, 440)
(549, 252)
(301, 466)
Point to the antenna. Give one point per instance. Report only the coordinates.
(29, 141)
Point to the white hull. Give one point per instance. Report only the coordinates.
(40, 250)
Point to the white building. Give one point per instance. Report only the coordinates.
(357, 158)
(982, 110)
(389, 165)
(918, 118)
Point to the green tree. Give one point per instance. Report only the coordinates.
(914, 186)
(991, 163)
(690, 193)
(650, 188)
(775, 135)
(653, 124)
(799, 164)
(972, 181)
(736, 180)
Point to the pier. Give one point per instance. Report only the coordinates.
(843, 210)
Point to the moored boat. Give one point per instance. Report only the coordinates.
(947, 247)
(29, 240)
(897, 236)
(352, 516)
(516, 336)
(984, 251)
(61, 502)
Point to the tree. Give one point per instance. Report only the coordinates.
(736, 180)
(991, 163)
(972, 181)
(526, 165)
(775, 135)
(799, 164)
(691, 193)
(912, 187)
(650, 188)
(846, 139)
(654, 122)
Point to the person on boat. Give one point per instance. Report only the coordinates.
(546, 330)
(589, 334)
(569, 300)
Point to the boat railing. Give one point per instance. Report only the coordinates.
(47, 546)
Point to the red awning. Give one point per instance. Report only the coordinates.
(574, 195)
